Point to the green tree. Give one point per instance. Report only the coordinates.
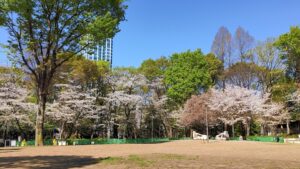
(215, 67)
(289, 45)
(84, 72)
(282, 89)
(88, 72)
(270, 66)
(154, 68)
(45, 34)
(102, 72)
(131, 70)
(188, 73)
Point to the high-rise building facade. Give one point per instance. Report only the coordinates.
(102, 52)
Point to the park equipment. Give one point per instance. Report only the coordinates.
(198, 136)
(222, 136)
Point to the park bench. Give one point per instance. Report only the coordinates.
(292, 140)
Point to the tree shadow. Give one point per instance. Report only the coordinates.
(7, 150)
(37, 162)
(157, 142)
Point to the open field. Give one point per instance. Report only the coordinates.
(177, 154)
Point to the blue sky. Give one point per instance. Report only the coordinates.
(157, 28)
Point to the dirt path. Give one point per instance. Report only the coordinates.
(207, 155)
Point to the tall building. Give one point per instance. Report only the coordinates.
(102, 52)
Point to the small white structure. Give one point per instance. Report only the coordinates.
(222, 136)
(62, 143)
(198, 136)
(292, 140)
(19, 139)
(13, 143)
(241, 138)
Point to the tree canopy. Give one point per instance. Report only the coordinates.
(188, 73)
(43, 35)
(289, 45)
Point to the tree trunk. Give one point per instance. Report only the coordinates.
(165, 132)
(77, 134)
(288, 127)
(159, 135)
(223, 83)
(4, 133)
(273, 130)
(232, 130)
(40, 118)
(39, 131)
(297, 71)
(206, 121)
(19, 126)
(108, 131)
(170, 132)
(152, 130)
(135, 134)
(225, 127)
(262, 129)
(126, 130)
(62, 130)
(248, 129)
(92, 133)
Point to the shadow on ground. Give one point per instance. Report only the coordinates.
(7, 150)
(37, 162)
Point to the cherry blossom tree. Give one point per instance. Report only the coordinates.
(157, 107)
(123, 80)
(14, 105)
(129, 109)
(71, 106)
(161, 110)
(236, 104)
(159, 113)
(108, 114)
(293, 106)
(125, 102)
(197, 112)
(272, 114)
(295, 96)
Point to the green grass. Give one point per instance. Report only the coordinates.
(134, 160)
(171, 156)
(139, 161)
(143, 161)
(111, 160)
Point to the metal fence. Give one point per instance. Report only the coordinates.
(105, 141)
(138, 141)
(261, 139)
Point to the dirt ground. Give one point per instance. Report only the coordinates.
(176, 154)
